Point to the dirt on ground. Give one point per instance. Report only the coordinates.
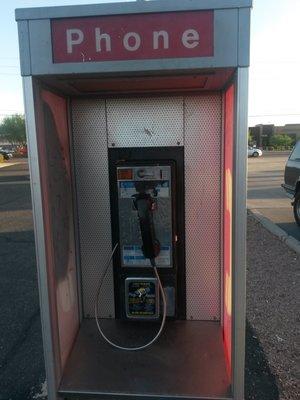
(273, 319)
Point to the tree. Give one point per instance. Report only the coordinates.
(250, 137)
(12, 129)
(281, 141)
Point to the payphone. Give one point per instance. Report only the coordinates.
(147, 222)
(145, 233)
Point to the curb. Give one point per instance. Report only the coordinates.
(290, 241)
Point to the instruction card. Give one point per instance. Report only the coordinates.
(133, 256)
(127, 189)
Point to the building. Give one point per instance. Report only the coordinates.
(261, 133)
(289, 129)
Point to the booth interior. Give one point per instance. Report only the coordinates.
(84, 125)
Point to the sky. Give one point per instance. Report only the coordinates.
(274, 83)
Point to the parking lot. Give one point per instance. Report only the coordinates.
(265, 175)
(21, 353)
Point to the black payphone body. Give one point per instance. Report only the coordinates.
(147, 212)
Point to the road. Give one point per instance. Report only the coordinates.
(265, 175)
(21, 353)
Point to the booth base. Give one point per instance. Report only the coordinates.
(187, 362)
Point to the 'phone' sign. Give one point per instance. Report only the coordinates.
(133, 37)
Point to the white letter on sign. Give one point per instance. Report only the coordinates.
(165, 37)
(102, 36)
(71, 40)
(190, 38)
(137, 40)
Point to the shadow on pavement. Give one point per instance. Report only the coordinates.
(21, 352)
(14, 178)
(260, 383)
(15, 197)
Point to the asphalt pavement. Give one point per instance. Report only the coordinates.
(265, 176)
(272, 336)
(21, 353)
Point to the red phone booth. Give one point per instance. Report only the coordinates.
(136, 119)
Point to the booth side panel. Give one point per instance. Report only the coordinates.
(239, 233)
(89, 136)
(59, 196)
(229, 107)
(203, 127)
(47, 304)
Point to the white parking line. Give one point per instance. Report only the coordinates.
(3, 165)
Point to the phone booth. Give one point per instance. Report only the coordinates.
(136, 118)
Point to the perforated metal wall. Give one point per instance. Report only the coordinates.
(145, 122)
(203, 205)
(201, 116)
(93, 203)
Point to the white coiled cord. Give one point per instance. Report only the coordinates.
(163, 317)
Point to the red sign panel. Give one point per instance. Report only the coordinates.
(133, 37)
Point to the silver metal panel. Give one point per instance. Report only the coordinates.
(127, 8)
(186, 363)
(44, 66)
(226, 36)
(50, 341)
(170, 297)
(239, 233)
(145, 122)
(24, 50)
(203, 116)
(244, 36)
(93, 202)
(225, 48)
(40, 46)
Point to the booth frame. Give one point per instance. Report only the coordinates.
(35, 64)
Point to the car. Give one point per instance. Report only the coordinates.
(254, 152)
(8, 147)
(22, 150)
(292, 180)
(7, 155)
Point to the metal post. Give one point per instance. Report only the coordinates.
(36, 193)
(239, 233)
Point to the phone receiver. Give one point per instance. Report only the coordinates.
(143, 203)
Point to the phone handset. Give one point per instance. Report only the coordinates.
(144, 204)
